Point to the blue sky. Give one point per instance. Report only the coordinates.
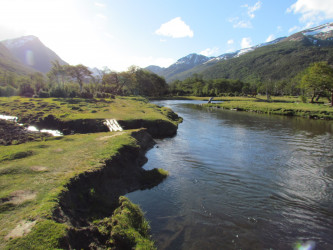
(121, 33)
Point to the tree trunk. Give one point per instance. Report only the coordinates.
(332, 97)
(313, 96)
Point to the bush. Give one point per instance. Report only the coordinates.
(303, 99)
(86, 94)
(26, 90)
(43, 94)
(8, 91)
(58, 92)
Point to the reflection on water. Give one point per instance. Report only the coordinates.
(241, 181)
(31, 128)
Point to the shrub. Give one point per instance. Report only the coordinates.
(43, 94)
(58, 92)
(303, 99)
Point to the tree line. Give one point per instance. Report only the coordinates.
(79, 81)
(315, 81)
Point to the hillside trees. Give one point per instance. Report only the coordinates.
(318, 78)
(79, 81)
(79, 73)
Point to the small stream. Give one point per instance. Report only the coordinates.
(240, 180)
(32, 128)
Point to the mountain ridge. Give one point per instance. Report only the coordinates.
(317, 36)
(32, 53)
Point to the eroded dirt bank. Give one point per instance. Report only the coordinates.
(94, 195)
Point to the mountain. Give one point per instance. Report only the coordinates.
(31, 52)
(280, 59)
(193, 60)
(183, 64)
(9, 63)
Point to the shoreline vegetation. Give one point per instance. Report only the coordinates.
(67, 191)
(286, 105)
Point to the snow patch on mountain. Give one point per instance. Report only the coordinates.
(317, 30)
(17, 43)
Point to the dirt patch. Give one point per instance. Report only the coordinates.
(38, 168)
(58, 150)
(20, 196)
(23, 228)
(103, 138)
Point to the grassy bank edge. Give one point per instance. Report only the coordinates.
(48, 234)
(280, 105)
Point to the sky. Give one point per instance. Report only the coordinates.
(121, 33)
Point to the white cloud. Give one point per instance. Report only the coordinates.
(245, 22)
(175, 28)
(293, 29)
(270, 38)
(209, 51)
(312, 10)
(230, 42)
(252, 9)
(237, 23)
(246, 42)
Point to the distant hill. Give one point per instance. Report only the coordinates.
(278, 60)
(31, 52)
(10, 63)
(183, 64)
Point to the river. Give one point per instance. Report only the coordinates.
(240, 180)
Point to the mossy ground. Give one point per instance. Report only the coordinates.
(30, 110)
(127, 228)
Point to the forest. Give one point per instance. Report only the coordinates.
(79, 81)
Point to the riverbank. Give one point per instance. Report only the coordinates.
(62, 192)
(77, 115)
(287, 106)
(66, 192)
(306, 110)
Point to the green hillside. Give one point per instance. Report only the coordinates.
(281, 61)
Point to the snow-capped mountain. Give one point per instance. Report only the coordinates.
(318, 36)
(183, 64)
(192, 60)
(30, 51)
(18, 42)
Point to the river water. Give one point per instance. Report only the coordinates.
(241, 181)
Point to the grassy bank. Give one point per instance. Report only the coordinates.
(62, 192)
(308, 110)
(76, 115)
(34, 175)
(285, 105)
(69, 109)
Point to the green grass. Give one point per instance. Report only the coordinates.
(31, 110)
(290, 106)
(40, 171)
(128, 227)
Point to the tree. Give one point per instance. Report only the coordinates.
(79, 72)
(319, 78)
(57, 72)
